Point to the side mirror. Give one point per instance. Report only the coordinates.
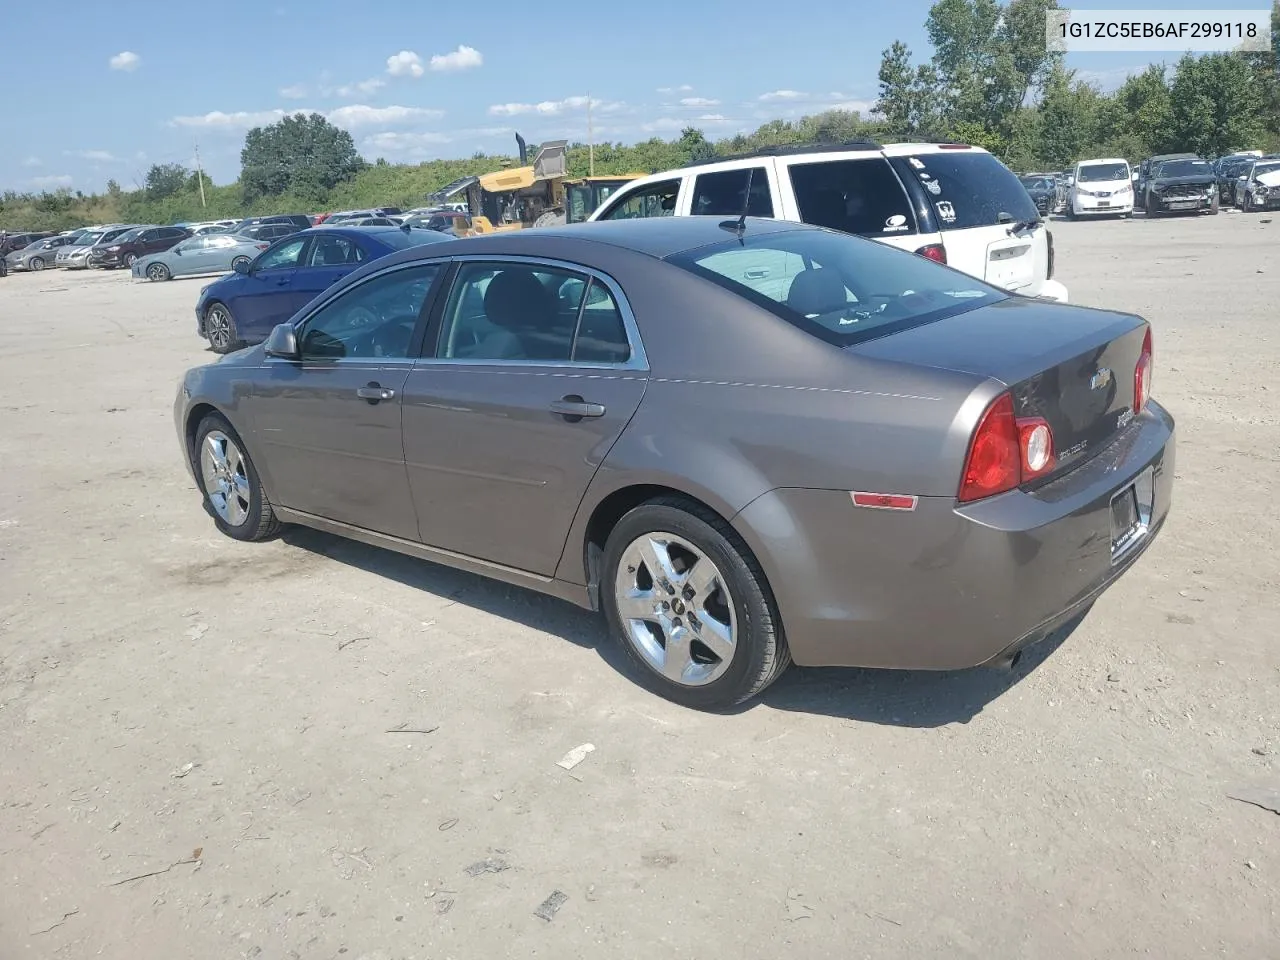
(178, 250)
(1242, 179)
(283, 343)
(240, 266)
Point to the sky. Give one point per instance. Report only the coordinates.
(103, 91)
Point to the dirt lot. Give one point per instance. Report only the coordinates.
(211, 718)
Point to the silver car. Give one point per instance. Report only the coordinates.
(76, 256)
(38, 254)
(209, 253)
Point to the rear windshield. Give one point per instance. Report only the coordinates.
(839, 288)
(1037, 183)
(1102, 173)
(971, 188)
(861, 196)
(1184, 168)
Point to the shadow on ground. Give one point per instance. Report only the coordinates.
(901, 698)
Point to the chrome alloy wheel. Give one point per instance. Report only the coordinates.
(217, 327)
(222, 468)
(676, 609)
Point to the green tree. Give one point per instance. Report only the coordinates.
(696, 146)
(1140, 114)
(1216, 103)
(303, 156)
(1069, 113)
(164, 180)
(908, 102)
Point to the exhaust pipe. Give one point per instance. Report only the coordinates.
(1006, 661)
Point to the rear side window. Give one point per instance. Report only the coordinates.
(722, 193)
(655, 200)
(969, 188)
(856, 196)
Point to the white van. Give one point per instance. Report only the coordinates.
(1101, 188)
(950, 202)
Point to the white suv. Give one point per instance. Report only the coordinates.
(950, 202)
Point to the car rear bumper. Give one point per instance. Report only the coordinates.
(946, 587)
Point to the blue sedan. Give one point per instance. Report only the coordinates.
(243, 307)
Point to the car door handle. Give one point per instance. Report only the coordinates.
(574, 408)
(283, 281)
(375, 392)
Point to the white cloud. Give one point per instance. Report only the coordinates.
(31, 162)
(552, 108)
(1110, 79)
(238, 120)
(295, 92)
(97, 156)
(125, 60)
(854, 106)
(362, 88)
(712, 118)
(406, 63)
(61, 180)
(782, 95)
(683, 88)
(360, 115)
(464, 58)
(699, 102)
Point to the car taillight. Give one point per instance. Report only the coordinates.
(1142, 376)
(262, 246)
(1049, 234)
(1005, 452)
(933, 251)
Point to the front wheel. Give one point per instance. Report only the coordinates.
(220, 328)
(35, 263)
(233, 494)
(129, 258)
(1245, 205)
(691, 606)
(158, 271)
(1213, 207)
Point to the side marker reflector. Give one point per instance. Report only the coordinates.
(884, 501)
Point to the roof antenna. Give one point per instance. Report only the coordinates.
(746, 202)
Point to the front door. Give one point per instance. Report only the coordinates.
(535, 374)
(330, 423)
(267, 296)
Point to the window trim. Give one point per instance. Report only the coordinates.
(416, 344)
(638, 361)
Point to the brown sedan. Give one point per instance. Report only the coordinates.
(745, 442)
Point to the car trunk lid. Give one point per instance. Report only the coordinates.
(1072, 366)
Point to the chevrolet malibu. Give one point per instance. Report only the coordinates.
(746, 442)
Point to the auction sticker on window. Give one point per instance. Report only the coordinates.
(1200, 31)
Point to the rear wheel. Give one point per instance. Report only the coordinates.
(220, 328)
(158, 271)
(129, 258)
(1213, 207)
(233, 494)
(35, 263)
(691, 606)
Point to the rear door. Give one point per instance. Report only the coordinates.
(722, 191)
(856, 192)
(330, 257)
(978, 202)
(537, 369)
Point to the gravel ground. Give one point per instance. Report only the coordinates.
(195, 759)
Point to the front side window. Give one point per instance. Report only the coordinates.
(331, 251)
(526, 313)
(374, 319)
(724, 193)
(860, 196)
(655, 200)
(195, 243)
(281, 256)
(839, 288)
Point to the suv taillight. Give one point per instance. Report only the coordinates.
(933, 251)
(1005, 451)
(1142, 376)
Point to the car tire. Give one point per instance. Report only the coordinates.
(129, 259)
(1071, 211)
(1213, 207)
(1150, 208)
(726, 615)
(35, 263)
(220, 329)
(158, 272)
(1245, 206)
(229, 482)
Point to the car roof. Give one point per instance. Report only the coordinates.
(1091, 163)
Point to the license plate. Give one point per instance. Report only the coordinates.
(1184, 204)
(1104, 203)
